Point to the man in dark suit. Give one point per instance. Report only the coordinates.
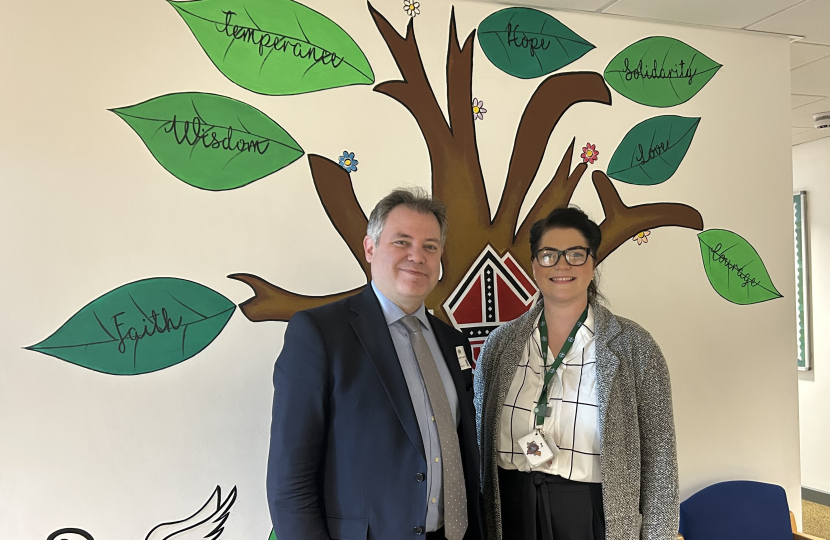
(373, 430)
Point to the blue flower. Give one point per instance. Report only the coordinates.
(348, 162)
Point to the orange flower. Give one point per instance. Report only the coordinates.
(641, 237)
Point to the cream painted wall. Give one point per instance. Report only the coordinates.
(811, 163)
(85, 208)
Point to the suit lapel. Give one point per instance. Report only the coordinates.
(370, 326)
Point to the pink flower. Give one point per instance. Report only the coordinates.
(641, 237)
(478, 109)
(589, 153)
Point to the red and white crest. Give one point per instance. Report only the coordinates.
(494, 290)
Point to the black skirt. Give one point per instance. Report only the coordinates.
(539, 506)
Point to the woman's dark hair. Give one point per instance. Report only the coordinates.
(569, 218)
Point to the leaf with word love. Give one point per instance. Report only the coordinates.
(734, 268)
(651, 152)
(141, 327)
(209, 141)
(660, 71)
(528, 43)
(275, 47)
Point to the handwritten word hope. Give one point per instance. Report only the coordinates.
(132, 334)
(719, 256)
(678, 72)
(521, 41)
(197, 131)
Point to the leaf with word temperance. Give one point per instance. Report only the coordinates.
(734, 268)
(211, 142)
(660, 71)
(275, 47)
(528, 43)
(652, 151)
(141, 327)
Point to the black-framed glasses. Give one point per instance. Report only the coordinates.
(575, 256)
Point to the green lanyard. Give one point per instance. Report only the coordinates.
(542, 410)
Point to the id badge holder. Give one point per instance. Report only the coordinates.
(535, 448)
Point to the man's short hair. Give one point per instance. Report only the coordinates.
(414, 198)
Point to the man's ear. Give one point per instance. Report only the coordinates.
(368, 248)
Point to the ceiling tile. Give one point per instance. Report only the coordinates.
(804, 53)
(809, 19)
(706, 12)
(799, 100)
(578, 5)
(803, 116)
(796, 131)
(812, 79)
(808, 136)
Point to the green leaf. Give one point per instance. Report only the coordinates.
(660, 71)
(652, 151)
(273, 535)
(734, 268)
(275, 47)
(528, 43)
(141, 327)
(209, 141)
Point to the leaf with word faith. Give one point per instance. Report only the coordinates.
(660, 71)
(275, 47)
(209, 141)
(528, 43)
(652, 151)
(141, 327)
(734, 268)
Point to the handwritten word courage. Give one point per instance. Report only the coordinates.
(524, 42)
(197, 131)
(157, 327)
(719, 256)
(677, 72)
(277, 42)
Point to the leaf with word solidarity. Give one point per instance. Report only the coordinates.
(660, 71)
(734, 268)
(275, 47)
(528, 43)
(209, 141)
(652, 151)
(141, 327)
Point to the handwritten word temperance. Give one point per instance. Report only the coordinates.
(196, 131)
(132, 334)
(719, 256)
(678, 72)
(277, 42)
(520, 40)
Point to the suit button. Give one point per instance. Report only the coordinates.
(418, 530)
(420, 477)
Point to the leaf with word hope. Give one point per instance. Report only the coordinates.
(275, 47)
(660, 71)
(528, 43)
(141, 327)
(734, 268)
(652, 151)
(209, 141)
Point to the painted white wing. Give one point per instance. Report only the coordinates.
(206, 524)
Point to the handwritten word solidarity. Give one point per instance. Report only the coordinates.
(532, 43)
(277, 42)
(197, 131)
(132, 334)
(678, 72)
(720, 257)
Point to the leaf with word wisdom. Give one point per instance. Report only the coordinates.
(660, 71)
(141, 327)
(209, 141)
(528, 43)
(652, 151)
(734, 268)
(275, 47)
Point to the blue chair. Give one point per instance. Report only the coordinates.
(739, 510)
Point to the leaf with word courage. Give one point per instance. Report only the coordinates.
(528, 43)
(209, 141)
(141, 327)
(734, 268)
(652, 151)
(275, 47)
(660, 71)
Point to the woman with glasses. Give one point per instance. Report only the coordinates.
(574, 408)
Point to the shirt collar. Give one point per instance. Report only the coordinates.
(393, 312)
(589, 320)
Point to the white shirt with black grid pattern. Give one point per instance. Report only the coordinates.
(572, 396)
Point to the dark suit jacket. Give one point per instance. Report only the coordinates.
(347, 459)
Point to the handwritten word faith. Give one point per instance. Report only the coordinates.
(132, 333)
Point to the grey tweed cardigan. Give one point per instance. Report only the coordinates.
(637, 442)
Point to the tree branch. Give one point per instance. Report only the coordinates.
(334, 187)
(623, 222)
(272, 303)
